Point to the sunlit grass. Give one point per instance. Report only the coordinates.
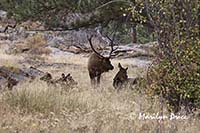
(38, 107)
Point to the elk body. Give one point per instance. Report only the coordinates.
(121, 79)
(98, 64)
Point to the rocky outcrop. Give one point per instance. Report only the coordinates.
(3, 15)
(11, 76)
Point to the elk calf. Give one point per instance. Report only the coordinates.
(121, 79)
(65, 81)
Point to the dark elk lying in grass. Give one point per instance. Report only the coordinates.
(47, 77)
(98, 64)
(65, 81)
(121, 80)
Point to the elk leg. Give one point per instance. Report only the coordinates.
(98, 80)
(93, 82)
(92, 79)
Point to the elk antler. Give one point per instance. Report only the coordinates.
(111, 44)
(111, 40)
(91, 45)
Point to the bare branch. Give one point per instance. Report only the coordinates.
(9, 26)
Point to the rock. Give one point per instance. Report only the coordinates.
(3, 14)
(56, 51)
(3, 36)
(74, 49)
(3, 83)
(34, 72)
(56, 42)
(11, 76)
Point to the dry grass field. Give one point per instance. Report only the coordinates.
(40, 108)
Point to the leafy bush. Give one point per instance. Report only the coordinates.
(175, 74)
(144, 35)
(179, 82)
(37, 45)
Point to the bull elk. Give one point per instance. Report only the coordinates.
(121, 79)
(98, 64)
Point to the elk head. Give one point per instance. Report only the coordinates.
(105, 61)
(121, 77)
(122, 74)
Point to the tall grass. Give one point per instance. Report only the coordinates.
(38, 96)
(33, 98)
(38, 107)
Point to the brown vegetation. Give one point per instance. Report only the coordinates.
(34, 45)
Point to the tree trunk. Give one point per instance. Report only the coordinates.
(134, 34)
(199, 19)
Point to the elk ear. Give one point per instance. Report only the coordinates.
(126, 68)
(62, 75)
(68, 75)
(119, 65)
(103, 59)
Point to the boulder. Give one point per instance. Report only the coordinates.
(3, 14)
(11, 76)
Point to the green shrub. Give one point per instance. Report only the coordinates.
(144, 35)
(176, 73)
